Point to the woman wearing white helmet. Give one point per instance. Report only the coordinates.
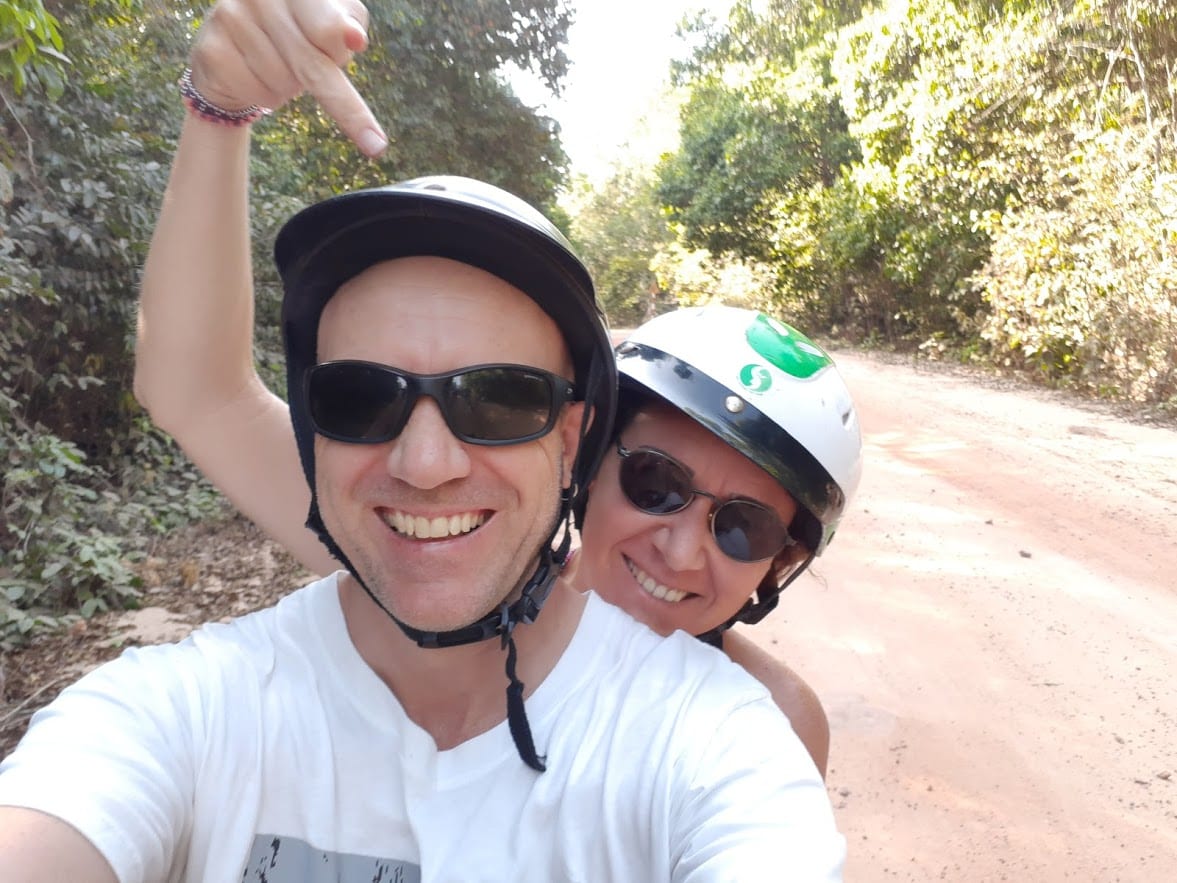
(690, 379)
(750, 415)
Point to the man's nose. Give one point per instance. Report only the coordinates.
(426, 454)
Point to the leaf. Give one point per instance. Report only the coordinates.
(53, 53)
(51, 570)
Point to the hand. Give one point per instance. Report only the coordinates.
(267, 52)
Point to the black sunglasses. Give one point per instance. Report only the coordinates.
(657, 483)
(367, 403)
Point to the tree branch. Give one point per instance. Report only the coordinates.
(28, 136)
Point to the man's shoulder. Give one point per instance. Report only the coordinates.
(676, 662)
(634, 689)
(234, 646)
(296, 607)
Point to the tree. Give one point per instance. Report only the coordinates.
(747, 146)
(431, 74)
(83, 161)
(619, 229)
(940, 173)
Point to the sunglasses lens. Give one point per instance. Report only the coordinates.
(365, 403)
(747, 531)
(357, 402)
(654, 483)
(744, 530)
(499, 404)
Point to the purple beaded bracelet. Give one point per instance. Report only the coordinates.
(206, 110)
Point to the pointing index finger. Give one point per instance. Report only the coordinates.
(341, 101)
(333, 31)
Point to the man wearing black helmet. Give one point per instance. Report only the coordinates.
(451, 387)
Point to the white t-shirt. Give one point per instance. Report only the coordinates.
(267, 749)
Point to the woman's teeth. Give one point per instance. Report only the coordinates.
(652, 586)
(434, 528)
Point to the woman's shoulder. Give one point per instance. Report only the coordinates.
(792, 694)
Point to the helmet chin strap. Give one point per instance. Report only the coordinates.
(499, 622)
(754, 611)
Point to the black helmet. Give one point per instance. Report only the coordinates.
(325, 245)
(446, 216)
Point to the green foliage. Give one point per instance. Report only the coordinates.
(30, 45)
(992, 176)
(697, 277)
(89, 121)
(638, 261)
(748, 146)
(761, 29)
(620, 229)
(431, 76)
(1085, 293)
(69, 534)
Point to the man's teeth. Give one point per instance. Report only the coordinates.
(653, 587)
(434, 528)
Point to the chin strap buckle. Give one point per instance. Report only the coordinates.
(506, 624)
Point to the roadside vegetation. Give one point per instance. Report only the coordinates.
(993, 182)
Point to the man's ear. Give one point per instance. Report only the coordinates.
(569, 429)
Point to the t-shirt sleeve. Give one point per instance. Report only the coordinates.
(755, 807)
(113, 756)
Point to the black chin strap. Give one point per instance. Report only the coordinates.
(767, 598)
(499, 622)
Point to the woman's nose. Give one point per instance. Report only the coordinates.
(682, 539)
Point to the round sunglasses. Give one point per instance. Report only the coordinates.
(744, 530)
(368, 403)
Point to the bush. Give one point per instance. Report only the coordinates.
(70, 535)
(1085, 292)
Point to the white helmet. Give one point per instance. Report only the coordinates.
(768, 391)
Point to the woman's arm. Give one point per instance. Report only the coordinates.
(194, 369)
(790, 692)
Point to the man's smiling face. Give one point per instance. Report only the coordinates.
(442, 531)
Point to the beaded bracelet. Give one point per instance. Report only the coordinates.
(206, 110)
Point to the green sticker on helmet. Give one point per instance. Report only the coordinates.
(786, 348)
(755, 377)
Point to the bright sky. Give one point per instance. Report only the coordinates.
(616, 92)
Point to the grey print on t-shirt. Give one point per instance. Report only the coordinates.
(274, 859)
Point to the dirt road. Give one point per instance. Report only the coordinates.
(994, 634)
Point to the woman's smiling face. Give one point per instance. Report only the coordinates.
(667, 570)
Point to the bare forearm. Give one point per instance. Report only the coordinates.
(194, 369)
(194, 345)
(37, 848)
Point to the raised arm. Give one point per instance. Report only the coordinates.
(194, 369)
(195, 375)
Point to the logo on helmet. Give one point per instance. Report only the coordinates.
(786, 348)
(755, 377)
